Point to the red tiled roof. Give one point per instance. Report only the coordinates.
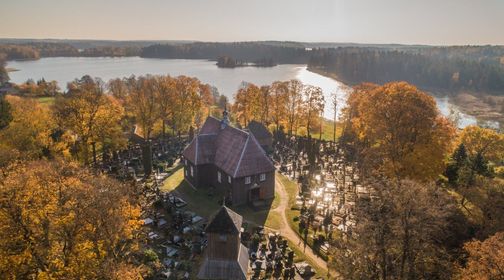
(233, 150)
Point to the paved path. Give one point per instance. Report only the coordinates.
(288, 232)
(285, 230)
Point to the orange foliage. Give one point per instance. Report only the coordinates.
(398, 130)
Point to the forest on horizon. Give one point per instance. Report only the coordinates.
(452, 68)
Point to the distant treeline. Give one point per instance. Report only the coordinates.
(250, 52)
(4, 77)
(493, 55)
(41, 49)
(479, 68)
(437, 68)
(37, 50)
(229, 62)
(111, 51)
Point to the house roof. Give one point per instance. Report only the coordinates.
(259, 130)
(225, 221)
(226, 269)
(235, 151)
(211, 126)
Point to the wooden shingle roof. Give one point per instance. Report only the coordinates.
(211, 126)
(226, 269)
(230, 143)
(253, 160)
(259, 130)
(235, 151)
(225, 221)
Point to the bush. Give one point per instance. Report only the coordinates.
(150, 256)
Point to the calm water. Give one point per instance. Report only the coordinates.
(227, 81)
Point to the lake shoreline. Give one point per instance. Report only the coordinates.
(226, 80)
(484, 107)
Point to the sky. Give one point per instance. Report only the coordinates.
(433, 22)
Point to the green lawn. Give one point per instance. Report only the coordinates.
(206, 204)
(471, 212)
(46, 100)
(299, 257)
(292, 189)
(203, 203)
(327, 130)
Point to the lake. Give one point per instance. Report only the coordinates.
(226, 80)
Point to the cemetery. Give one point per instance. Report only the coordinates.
(322, 191)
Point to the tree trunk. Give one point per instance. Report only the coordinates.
(334, 127)
(147, 158)
(320, 134)
(164, 130)
(85, 151)
(93, 145)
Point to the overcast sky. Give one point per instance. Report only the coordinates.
(439, 22)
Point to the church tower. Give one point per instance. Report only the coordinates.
(225, 256)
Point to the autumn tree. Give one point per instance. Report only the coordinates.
(118, 88)
(32, 133)
(294, 105)
(177, 102)
(313, 106)
(143, 104)
(487, 205)
(4, 76)
(245, 103)
(400, 233)
(279, 95)
(485, 259)
(59, 221)
(264, 100)
(188, 102)
(5, 112)
(470, 173)
(206, 102)
(91, 115)
(483, 141)
(398, 131)
(334, 105)
(38, 89)
(166, 97)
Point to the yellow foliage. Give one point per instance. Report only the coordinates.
(58, 221)
(485, 260)
(289, 104)
(91, 116)
(28, 136)
(487, 142)
(399, 130)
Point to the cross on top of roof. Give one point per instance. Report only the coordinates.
(225, 118)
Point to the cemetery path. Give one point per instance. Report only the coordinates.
(289, 233)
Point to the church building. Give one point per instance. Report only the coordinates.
(225, 157)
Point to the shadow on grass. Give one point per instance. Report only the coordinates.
(206, 201)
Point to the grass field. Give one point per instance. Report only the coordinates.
(292, 190)
(299, 257)
(45, 100)
(292, 212)
(206, 203)
(327, 130)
